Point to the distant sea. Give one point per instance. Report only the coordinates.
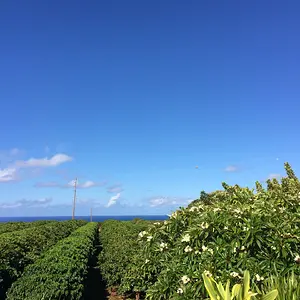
(87, 218)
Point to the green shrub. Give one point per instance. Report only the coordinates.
(61, 271)
(14, 226)
(22, 247)
(119, 244)
(224, 234)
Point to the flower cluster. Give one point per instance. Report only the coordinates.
(163, 246)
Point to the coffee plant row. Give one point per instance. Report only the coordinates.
(61, 271)
(13, 226)
(119, 245)
(21, 248)
(220, 235)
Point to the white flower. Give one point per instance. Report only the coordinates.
(243, 248)
(149, 238)
(146, 261)
(258, 278)
(207, 273)
(297, 259)
(204, 248)
(245, 228)
(234, 274)
(197, 252)
(166, 222)
(143, 233)
(185, 279)
(237, 211)
(180, 291)
(174, 215)
(156, 223)
(225, 227)
(234, 250)
(204, 225)
(210, 250)
(186, 238)
(273, 247)
(188, 249)
(194, 208)
(163, 246)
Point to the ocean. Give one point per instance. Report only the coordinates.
(87, 218)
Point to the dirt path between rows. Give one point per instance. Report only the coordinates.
(95, 288)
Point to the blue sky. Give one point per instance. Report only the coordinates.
(131, 96)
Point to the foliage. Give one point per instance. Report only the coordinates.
(228, 232)
(119, 244)
(61, 271)
(288, 286)
(239, 291)
(13, 226)
(22, 247)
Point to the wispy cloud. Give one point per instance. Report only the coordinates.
(83, 185)
(231, 168)
(14, 168)
(168, 201)
(8, 174)
(55, 160)
(113, 200)
(27, 203)
(116, 188)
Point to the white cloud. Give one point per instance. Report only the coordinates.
(55, 160)
(8, 174)
(27, 203)
(231, 168)
(87, 184)
(113, 200)
(166, 201)
(84, 185)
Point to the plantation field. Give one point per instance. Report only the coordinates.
(22, 247)
(14, 226)
(236, 243)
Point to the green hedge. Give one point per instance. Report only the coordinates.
(222, 234)
(61, 271)
(20, 248)
(119, 243)
(13, 226)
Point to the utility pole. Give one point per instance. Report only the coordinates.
(74, 201)
(91, 214)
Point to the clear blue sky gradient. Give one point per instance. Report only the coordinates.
(141, 92)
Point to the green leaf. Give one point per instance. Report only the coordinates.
(271, 295)
(209, 287)
(246, 282)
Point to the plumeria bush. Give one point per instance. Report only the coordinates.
(222, 234)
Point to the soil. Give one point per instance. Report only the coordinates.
(95, 287)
